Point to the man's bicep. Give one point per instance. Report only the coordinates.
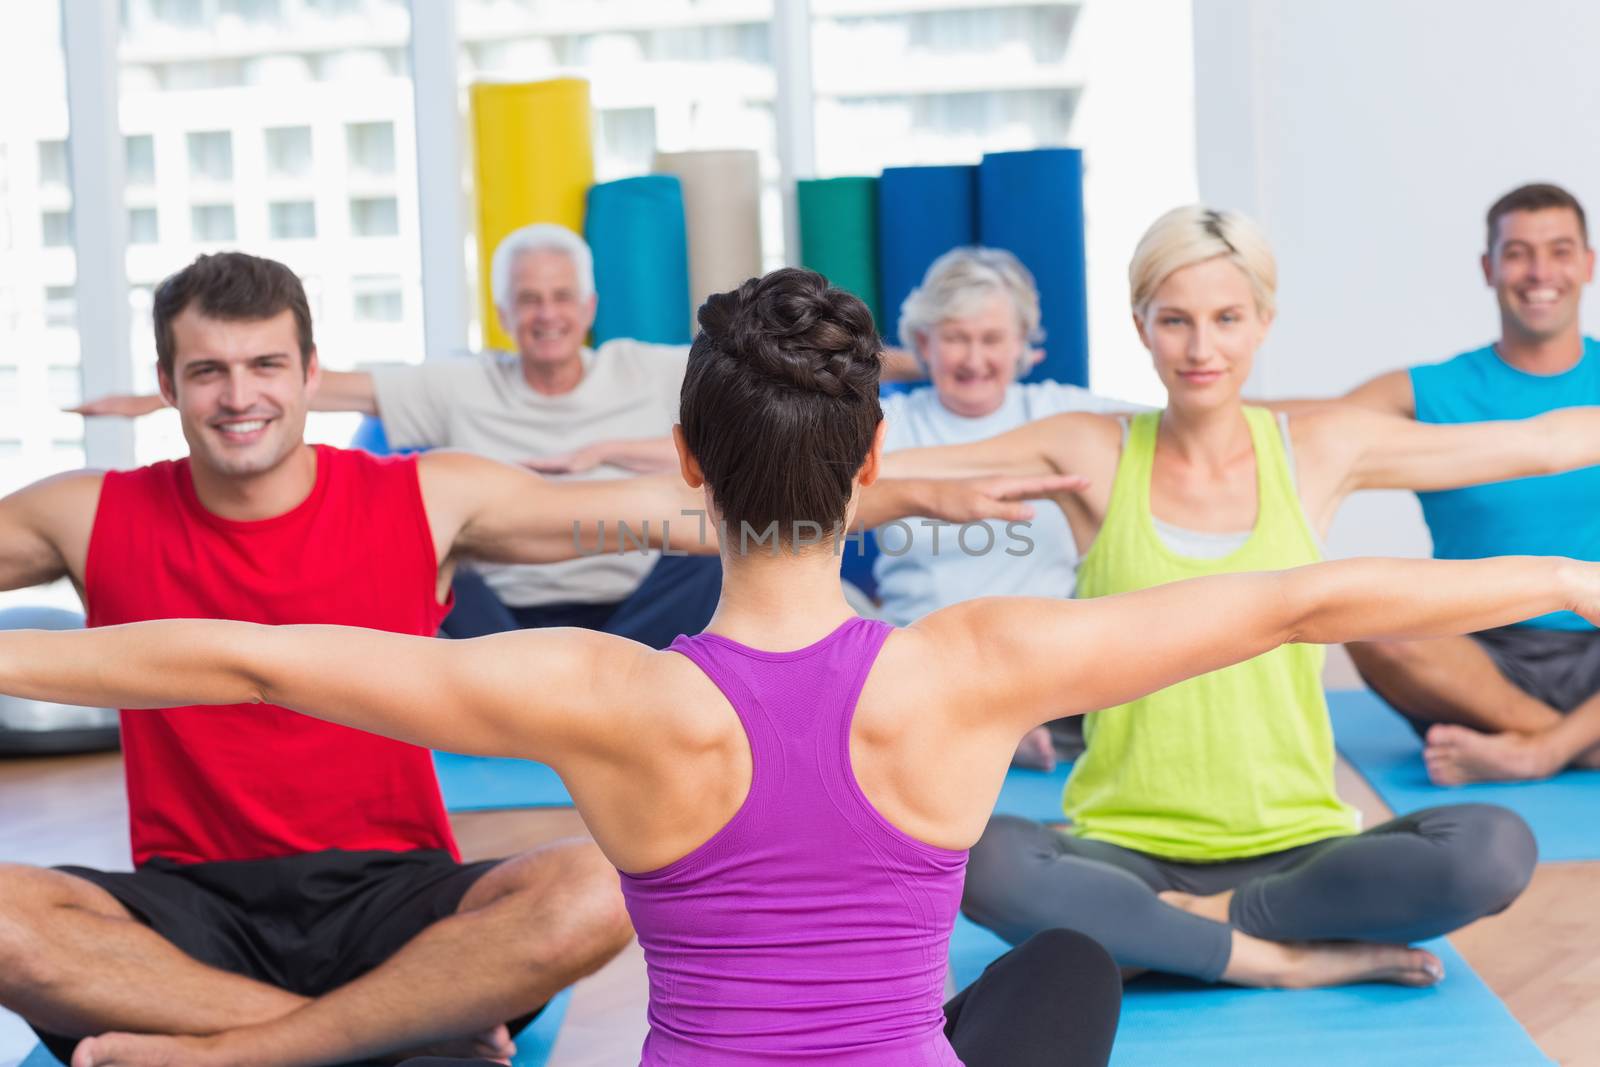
(1390, 394)
(44, 527)
(486, 510)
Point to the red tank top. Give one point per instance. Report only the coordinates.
(254, 780)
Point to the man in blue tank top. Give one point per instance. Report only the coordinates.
(1522, 701)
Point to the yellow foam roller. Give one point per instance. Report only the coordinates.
(533, 162)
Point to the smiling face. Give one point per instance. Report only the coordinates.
(1538, 267)
(547, 316)
(241, 390)
(1202, 327)
(973, 359)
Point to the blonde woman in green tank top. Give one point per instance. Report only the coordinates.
(1206, 835)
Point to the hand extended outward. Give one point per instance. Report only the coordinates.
(129, 406)
(1003, 497)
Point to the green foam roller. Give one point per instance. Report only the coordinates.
(839, 234)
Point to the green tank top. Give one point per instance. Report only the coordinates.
(1235, 763)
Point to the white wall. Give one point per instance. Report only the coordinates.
(1136, 125)
(1370, 137)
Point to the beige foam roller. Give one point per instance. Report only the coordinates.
(722, 214)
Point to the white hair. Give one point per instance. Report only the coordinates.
(959, 282)
(540, 237)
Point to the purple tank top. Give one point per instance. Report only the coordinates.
(808, 929)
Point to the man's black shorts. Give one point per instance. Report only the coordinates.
(1559, 667)
(307, 923)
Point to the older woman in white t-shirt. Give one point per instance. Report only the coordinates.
(973, 323)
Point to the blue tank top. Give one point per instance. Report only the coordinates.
(1556, 515)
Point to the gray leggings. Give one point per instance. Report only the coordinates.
(1415, 877)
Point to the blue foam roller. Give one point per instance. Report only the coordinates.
(923, 212)
(1031, 204)
(641, 259)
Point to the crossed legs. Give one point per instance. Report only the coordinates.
(1486, 726)
(75, 961)
(1336, 911)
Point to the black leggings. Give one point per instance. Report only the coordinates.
(1052, 1001)
(1415, 877)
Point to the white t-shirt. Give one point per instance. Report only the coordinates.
(916, 575)
(482, 404)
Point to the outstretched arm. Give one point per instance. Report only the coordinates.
(45, 527)
(642, 455)
(960, 500)
(899, 365)
(1388, 394)
(1053, 657)
(339, 391)
(537, 694)
(1050, 445)
(1393, 452)
(493, 511)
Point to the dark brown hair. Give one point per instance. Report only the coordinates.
(230, 285)
(1539, 196)
(780, 400)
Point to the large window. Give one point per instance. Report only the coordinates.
(907, 82)
(962, 81)
(37, 266)
(674, 76)
(286, 128)
(38, 273)
(283, 128)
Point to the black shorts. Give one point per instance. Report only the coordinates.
(307, 923)
(1559, 667)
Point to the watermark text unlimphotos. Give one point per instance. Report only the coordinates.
(895, 538)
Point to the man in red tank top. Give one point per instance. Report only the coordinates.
(286, 865)
(280, 859)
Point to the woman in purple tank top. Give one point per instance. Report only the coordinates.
(789, 795)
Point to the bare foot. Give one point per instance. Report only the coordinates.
(1214, 907)
(1456, 755)
(494, 1044)
(1313, 964)
(161, 1050)
(1037, 751)
(144, 1050)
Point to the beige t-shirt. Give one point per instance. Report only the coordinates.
(482, 404)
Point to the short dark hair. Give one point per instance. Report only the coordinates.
(780, 400)
(230, 285)
(1538, 196)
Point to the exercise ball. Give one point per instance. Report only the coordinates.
(35, 727)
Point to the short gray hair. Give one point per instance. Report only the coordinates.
(540, 237)
(958, 282)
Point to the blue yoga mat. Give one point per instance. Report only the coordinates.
(1563, 811)
(641, 259)
(1031, 204)
(923, 212)
(1459, 1022)
(484, 783)
(533, 1044)
(1034, 794)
